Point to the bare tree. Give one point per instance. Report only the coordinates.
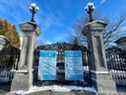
(112, 28)
(77, 36)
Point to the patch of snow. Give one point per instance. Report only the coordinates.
(55, 88)
(18, 92)
(60, 89)
(100, 72)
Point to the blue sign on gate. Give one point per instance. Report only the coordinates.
(73, 65)
(47, 65)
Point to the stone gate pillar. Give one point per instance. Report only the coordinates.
(97, 59)
(100, 76)
(23, 78)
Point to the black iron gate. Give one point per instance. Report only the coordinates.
(9, 58)
(116, 63)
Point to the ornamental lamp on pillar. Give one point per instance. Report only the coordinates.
(90, 9)
(33, 9)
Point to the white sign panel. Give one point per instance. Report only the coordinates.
(47, 65)
(73, 65)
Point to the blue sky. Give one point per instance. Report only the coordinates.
(57, 18)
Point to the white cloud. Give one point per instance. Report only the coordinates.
(103, 1)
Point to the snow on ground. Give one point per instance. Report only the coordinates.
(55, 88)
(61, 89)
